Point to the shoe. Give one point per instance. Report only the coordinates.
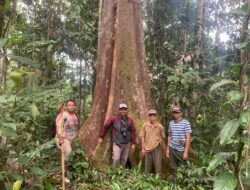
(66, 180)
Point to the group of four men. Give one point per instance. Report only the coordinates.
(152, 135)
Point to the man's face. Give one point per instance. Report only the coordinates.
(123, 111)
(70, 106)
(176, 115)
(152, 117)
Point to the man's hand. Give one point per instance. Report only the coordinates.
(143, 152)
(133, 148)
(99, 141)
(167, 152)
(61, 140)
(185, 155)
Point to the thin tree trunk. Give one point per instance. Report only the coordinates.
(3, 71)
(245, 57)
(244, 54)
(80, 90)
(199, 34)
(50, 29)
(2, 58)
(121, 72)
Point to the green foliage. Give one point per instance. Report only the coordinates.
(218, 159)
(3, 41)
(79, 167)
(228, 130)
(221, 83)
(17, 185)
(225, 182)
(235, 96)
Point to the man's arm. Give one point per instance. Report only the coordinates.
(133, 132)
(143, 145)
(187, 145)
(169, 139)
(142, 137)
(104, 129)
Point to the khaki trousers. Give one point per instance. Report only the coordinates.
(67, 147)
(153, 158)
(120, 154)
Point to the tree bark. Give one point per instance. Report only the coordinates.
(2, 58)
(121, 72)
(199, 34)
(244, 54)
(244, 59)
(4, 28)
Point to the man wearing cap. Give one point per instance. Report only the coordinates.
(152, 134)
(179, 136)
(123, 135)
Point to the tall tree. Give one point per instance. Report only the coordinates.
(244, 60)
(3, 60)
(199, 34)
(4, 29)
(121, 71)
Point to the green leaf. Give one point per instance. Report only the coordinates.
(217, 160)
(221, 83)
(225, 182)
(8, 186)
(115, 186)
(244, 118)
(23, 60)
(16, 77)
(8, 132)
(17, 185)
(10, 125)
(226, 105)
(3, 41)
(228, 130)
(242, 45)
(173, 78)
(235, 95)
(245, 45)
(34, 111)
(236, 69)
(244, 8)
(38, 171)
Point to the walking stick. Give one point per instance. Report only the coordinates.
(94, 152)
(62, 150)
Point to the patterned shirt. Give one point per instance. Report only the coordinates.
(178, 132)
(70, 125)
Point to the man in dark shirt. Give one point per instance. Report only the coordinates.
(123, 135)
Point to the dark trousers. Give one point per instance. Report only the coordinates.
(153, 158)
(176, 160)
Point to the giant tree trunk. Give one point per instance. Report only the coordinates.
(121, 72)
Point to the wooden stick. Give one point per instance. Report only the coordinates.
(94, 152)
(62, 150)
(63, 166)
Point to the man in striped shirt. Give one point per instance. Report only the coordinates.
(178, 140)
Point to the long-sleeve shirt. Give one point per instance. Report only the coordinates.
(115, 123)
